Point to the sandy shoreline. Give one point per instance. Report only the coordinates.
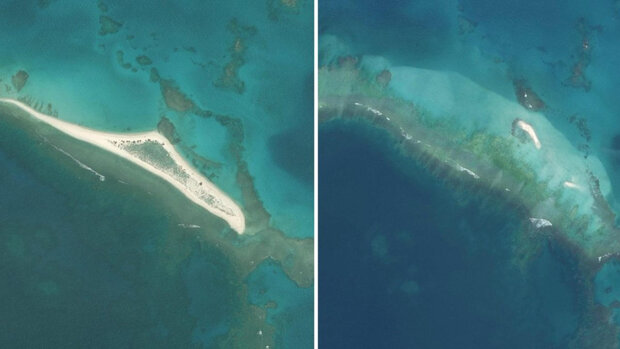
(191, 183)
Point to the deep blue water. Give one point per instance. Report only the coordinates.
(402, 265)
(494, 44)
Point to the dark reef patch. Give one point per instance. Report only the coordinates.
(527, 97)
(120, 59)
(615, 142)
(167, 129)
(174, 98)
(144, 60)
(154, 75)
(19, 80)
(108, 25)
(277, 8)
(582, 56)
(384, 78)
(103, 7)
(43, 4)
(229, 78)
(581, 124)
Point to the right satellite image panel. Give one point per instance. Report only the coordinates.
(469, 170)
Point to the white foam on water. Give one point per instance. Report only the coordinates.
(540, 222)
(468, 171)
(81, 164)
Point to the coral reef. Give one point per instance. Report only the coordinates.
(229, 78)
(108, 25)
(19, 80)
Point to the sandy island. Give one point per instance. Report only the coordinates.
(154, 153)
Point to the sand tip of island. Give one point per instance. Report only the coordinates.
(154, 153)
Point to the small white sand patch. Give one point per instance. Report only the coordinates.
(571, 185)
(540, 222)
(530, 131)
(468, 171)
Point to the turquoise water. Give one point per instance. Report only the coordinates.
(426, 262)
(268, 284)
(84, 260)
(81, 77)
(110, 264)
(454, 61)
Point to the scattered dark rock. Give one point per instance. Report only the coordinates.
(601, 204)
(582, 125)
(277, 8)
(585, 149)
(516, 131)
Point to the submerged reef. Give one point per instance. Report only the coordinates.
(583, 54)
(187, 227)
(144, 60)
(527, 97)
(174, 98)
(229, 78)
(493, 144)
(166, 128)
(108, 25)
(120, 59)
(19, 80)
(188, 223)
(277, 8)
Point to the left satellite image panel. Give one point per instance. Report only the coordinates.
(156, 174)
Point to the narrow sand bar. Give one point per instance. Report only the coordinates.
(530, 131)
(180, 174)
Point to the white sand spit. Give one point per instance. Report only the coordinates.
(181, 174)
